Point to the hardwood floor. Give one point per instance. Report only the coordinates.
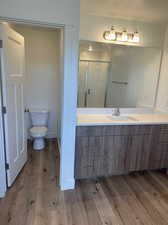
(35, 198)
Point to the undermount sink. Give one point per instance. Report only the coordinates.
(121, 117)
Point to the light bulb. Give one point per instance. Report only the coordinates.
(107, 35)
(136, 37)
(119, 36)
(130, 37)
(90, 49)
(110, 35)
(124, 36)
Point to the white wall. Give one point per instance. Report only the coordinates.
(101, 51)
(65, 13)
(162, 97)
(92, 28)
(43, 84)
(56, 11)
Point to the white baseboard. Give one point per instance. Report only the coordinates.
(2, 194)
(59, 144)
(52, 135)
(67, 184)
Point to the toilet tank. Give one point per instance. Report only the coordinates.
(39, 117)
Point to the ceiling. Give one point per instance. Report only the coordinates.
(149, 11)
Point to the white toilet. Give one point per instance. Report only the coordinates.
(39, 128)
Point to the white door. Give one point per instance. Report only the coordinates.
(13, 94)
(97, 84)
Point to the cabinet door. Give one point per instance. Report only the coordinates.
(164, 155)
(99, 151)
(101, 156)
(139, 152)
(159, 156)
(116, 148)
(163, 145)
(83, 158)
(159, 151)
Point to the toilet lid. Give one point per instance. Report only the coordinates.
(38, 130)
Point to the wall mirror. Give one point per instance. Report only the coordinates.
(117, 75)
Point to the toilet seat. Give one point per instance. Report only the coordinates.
(38, 131)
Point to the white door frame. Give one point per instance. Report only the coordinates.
(69, 98)
(3, 185)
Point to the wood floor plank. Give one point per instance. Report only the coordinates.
(121, 198)
(161, 180)
(145, 200)
(53, 208)
(127, 193)
(87, 197)
(75, 209)
(154, 194)
(108, 215)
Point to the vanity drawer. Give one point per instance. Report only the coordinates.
(164, 129)
(163, 138)
(116, 130)
(83, 158)
(88, 131)
(129, 130)
(163, 134)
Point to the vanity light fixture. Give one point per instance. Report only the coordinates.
(112, 35)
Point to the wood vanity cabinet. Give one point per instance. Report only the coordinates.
(110, 150)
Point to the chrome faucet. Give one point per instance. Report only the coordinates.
(116, 112)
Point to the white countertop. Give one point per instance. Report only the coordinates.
(137, 119)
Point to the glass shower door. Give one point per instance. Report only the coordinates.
(97, 83)
(92, 83)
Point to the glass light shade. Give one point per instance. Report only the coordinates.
(107, 35)
(130, 37)
(136, 37)
(110, 35)
(119, 36)
(124, 36)
(90, 49)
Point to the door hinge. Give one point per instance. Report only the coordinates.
(7, 166)
(4, 110)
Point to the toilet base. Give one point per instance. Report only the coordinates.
(38, 144)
